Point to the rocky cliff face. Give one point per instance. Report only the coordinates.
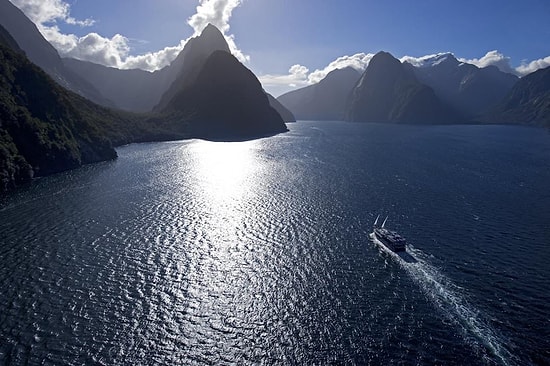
(527, 103)
(225, 101)
(390, 92)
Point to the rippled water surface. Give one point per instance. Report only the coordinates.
(258, 252)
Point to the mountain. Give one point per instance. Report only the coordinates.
(43, 127)
(131, 90)
(42, 53)
(527, 103)
(285, 113)
(325, 100)
(140, 91)
(388, 91)
(224, 100)
(467, 88)
(192, 58)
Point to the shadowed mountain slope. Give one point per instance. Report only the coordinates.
(225, 100)
(326, 100)
(388, 91)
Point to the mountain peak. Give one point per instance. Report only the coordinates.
(187, 65)
(211, 31)
(444, 58)
(388, 91)
(210, 28)
(226, 100)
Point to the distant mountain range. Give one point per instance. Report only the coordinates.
(326, 100)
(467, 88)
(440, 90)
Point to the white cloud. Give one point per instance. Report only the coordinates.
(501, 61)
(492, 58)
(359, 62)
(299, 75)
(154, 60)
(296, 77)
(217, 13)
(115, 51)
(527, 68)
(49, 11)
(426, 61)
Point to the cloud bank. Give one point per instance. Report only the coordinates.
(299, 75)
(495, 58)
(116, 51)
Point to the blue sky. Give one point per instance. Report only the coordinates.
(272, 36)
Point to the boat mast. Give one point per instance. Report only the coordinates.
(376, 221)
(384, 223)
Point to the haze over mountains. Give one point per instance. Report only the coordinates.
(326, 100)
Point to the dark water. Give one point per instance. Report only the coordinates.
(258, 252)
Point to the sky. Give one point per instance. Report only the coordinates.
(295, 43)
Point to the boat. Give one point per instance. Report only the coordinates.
(389, 238)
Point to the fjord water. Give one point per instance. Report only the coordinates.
(199, 252)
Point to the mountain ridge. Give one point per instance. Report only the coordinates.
(43, 54)
(325, 100)
(388, 91)
(527, 103)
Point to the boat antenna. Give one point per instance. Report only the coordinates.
(384, 223)
(376, 221)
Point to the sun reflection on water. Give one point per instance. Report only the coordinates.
(225, 174)
(224, 169)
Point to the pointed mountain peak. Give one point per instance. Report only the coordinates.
(210, 28)
(210, 40)
(383, 58)
(384, 55)
(383, 62)
(186, 67)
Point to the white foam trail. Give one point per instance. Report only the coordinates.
(446, 296)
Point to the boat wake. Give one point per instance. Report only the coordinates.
(448, 298)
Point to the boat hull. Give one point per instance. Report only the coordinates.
(394, 247)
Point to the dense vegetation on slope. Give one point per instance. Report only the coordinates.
(46, 129)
